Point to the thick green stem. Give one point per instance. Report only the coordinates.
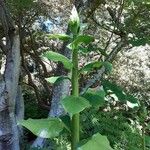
(143, 138)
(75, 92)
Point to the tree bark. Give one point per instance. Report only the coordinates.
(8, 91)
(9, 139)
(19, 112)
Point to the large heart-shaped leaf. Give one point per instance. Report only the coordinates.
(56, 57)
(45, 128)
(97, 142)
(62, 37)
(95, 98)
(56, 79)
(74, 105)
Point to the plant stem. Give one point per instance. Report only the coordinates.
(143, 138)
(75, 92)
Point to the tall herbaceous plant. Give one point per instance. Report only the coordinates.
(75, 103)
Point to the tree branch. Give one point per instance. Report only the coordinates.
(97, 76)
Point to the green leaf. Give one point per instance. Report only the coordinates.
(74, 22)
(108, 66)
(83, 50)
(96, 65)
(62, 37)
(118, 91)
(56, 57)
(56, 79)
(131, 99)
(148, 127)
(147, 141)
(115, 89)
(85, 39)
(45, 128)
(91, 66)
(97, 142)
(103, 52)
(139, 42)
(95, 98)
(67, 122)
(74, 105)
(86, 49)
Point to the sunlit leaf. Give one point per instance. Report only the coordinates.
(97, 142)
(45, 128)
(74, 105)
(56, 57)
(95, 98)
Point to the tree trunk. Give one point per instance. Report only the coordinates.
(9, 84)
(19, 112)
(8, 91)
